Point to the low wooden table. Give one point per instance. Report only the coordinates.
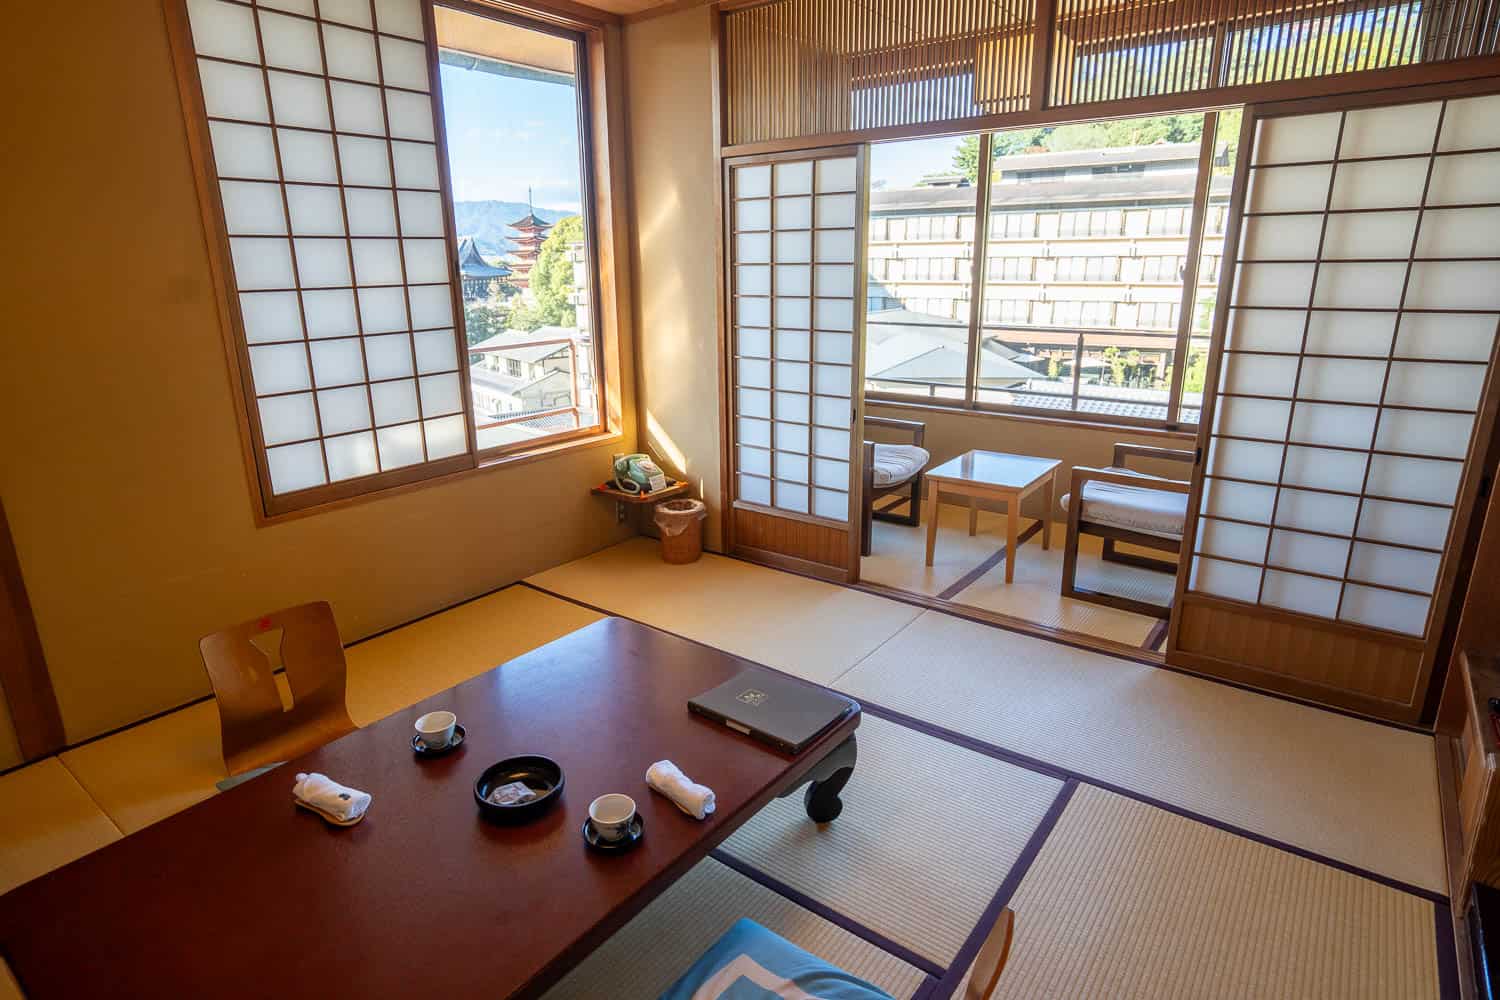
(246, 895)
(993, 475)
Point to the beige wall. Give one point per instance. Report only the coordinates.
(668, 66)
(120, 460)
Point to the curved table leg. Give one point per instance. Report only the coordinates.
(826, 780)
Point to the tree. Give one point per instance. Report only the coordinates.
(482, 320)
(1111, 357)
(966, 157)
(1082, 135)
(1196, 375)
(551, 281)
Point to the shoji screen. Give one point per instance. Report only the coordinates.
(1356, 353)
(321, 138)
(795, 281)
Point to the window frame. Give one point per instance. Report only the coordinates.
(597, 50)
(588, 166)
(1194, 217)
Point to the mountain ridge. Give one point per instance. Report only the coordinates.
(488, 221)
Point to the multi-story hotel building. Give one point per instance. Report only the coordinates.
(1086, 252)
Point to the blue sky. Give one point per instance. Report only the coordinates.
(505, 134)
(902, 164)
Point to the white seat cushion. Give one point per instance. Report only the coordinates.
(1134, 508)
(896, 463)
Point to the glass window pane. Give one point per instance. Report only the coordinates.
(520, 216)
(918, 287)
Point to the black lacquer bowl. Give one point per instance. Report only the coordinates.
(541, 774)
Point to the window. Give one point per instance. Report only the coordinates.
(517, 159)
(325, 171)
(1088, 269)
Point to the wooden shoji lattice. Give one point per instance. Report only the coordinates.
(322, 128)
(1358, 342)
(795, 309)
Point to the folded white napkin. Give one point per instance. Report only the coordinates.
(328, 796)
(666, 777)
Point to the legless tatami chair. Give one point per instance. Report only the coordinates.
(257, 730)
(749, 951)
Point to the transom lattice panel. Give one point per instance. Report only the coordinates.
(809, 67)
(803, 67)
(321, 125)
(1357, 347)
(793, 284)
(1115, 49)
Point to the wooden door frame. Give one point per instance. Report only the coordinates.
(727, 458)
(1482, 435)
(25, 683)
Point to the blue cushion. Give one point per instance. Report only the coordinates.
(751, 963)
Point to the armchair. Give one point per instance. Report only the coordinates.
(892, 468)
(1121, 505)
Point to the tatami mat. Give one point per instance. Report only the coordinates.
(1035, 595)
(802, 626)
(148, 772)
(46, 820)
(1360, 792)
(649, 953)
(898, 552)
(1128, 901)
(928, 832)
(400, 668)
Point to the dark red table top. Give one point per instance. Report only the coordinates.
(247, 896)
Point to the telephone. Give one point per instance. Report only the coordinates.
(638, 474)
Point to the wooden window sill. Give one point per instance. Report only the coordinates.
(1186, 433)
(484, 463)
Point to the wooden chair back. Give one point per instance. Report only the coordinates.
(256, 728)
(993, 954)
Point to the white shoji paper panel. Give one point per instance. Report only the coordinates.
(794, 280)
(341, 160)
(1357, 348)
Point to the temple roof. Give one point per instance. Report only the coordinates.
(472, 265)
(530, 222)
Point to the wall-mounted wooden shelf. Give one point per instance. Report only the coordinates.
(620, 496)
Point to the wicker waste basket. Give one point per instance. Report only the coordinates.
(681, 526)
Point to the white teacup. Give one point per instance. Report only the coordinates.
(611, 815)
(435, 729)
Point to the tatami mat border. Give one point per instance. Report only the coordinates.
(1134, 654)
(1157, 636)
(1442, 908)
(827, 912)
(1064, 773)
(987, 564)
(970, 950)
(1447, 949)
